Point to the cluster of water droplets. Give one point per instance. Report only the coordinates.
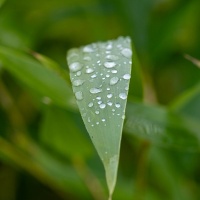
(100, 72)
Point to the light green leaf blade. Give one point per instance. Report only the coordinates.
(100, 75)
(41, 80)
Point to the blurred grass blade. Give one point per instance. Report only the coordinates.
(100, 75)
(40, 79)
(193, 60)
(188, 103)
(51, 64)
(60, 132)
(162, 127)
(2, 2)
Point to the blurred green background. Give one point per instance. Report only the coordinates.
(45, 152)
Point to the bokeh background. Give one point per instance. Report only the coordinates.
(56, 161)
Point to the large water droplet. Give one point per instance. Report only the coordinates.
(117, 105)
(95, 90)
(78, 83)
(114, 71)
(102, 106)
(126, 76)
(109, 64)
(114, 80)
(122, 95)
(87, 49)
(90, 104)
(109, 95)
(94, 76)
(89, 71)
(97, 112)
(79, 95)
(87, 58)
(110, 103)
(112, 57)
(126, 52)
(74, 67)
(78, 73)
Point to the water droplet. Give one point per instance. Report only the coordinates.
(87, 58)
(126, 52)
(109, 95)
(109, 46)
(87, 49)
(98, 61)
(117, 105)
(89, 71)
(123, 116)
(109, 64)
(98, 98)
(102, 106)
(110, 103)
(108, 89)
(114, 80)
(123, 96)
(114, 71)
(74, 67)
(78, 73)
(112, 57)
(107, 75)
(97, 112)
(95, 90)
(89, 119)
(79, 95)
(77, 83)
(97, 123)
(90, 104)
(113, 110)
(126, 88)
(103, 120)
(99, 102)
(94, 76)
(126, 76)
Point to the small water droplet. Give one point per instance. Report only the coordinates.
(109, 95)
(126, 88)
(109, 64)
(112, 57)
(126, 76)
(89, 71)
(109, 46)
(89, 119)
(75, 66)
(114, 80)
(123, 116)
(123, 96)
(110, 103)
(77, 83)
(87, 58)
(97, 123)
(98, 61)
(97, 112)
(113, 110)
(88, 49)
(98, 98)
(94, 76)
(117, 105)
(90, 104)
(114, 71)
(79, 95)
(126, 52)
(78, 73)
(99, 102)
(95, 90)
(108, 89)
(103, 120)
(102, 106)
(107, 75)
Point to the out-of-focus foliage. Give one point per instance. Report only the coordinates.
(45, 152)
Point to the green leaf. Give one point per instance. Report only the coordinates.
(100, 75)
(40, 79)
(162, 127)
(60, 132)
